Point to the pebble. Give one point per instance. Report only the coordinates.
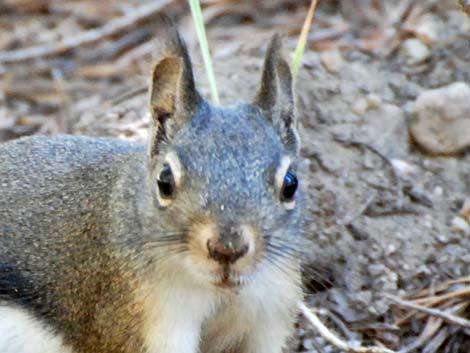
(428, 28)
(360, 106)
(427, 221)
(332, 60)
(440, 119)
(376, 269)
(403, 167)
(308, 344)
(460, 225)
(414, 52)
(390, 249)
(438, 191)
(464, 212)
(373, 101)
(442, 238)
(365, 104)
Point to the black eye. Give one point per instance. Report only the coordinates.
(166, 182)
(289, 186)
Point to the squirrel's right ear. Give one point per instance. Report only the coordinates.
(275, 95)
(173, 95)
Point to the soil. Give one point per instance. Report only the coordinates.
(386, 217)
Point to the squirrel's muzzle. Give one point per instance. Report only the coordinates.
(228, 247)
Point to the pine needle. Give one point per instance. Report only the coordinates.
(201, 34)
(299, 50)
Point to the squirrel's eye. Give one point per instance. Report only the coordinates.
(289, 186)
(166, 182)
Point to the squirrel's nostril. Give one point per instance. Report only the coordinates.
(226, 253)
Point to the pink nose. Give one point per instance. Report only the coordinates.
(227, 252)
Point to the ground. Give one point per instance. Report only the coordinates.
(386, 215)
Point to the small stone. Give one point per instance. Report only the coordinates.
(332, 60)
(428, 28)
(461, 226)
(360, 106)
(442, 238)
(438, 191)
(362, 297)
(390, 249)
(439, 119)
(376, 269)
(464, 212)
(414, 52)
(427, 221)
(308, 344)
(364, 104)
(403, 167)
(355, 343)
(422, 270)
(373, 101)
(466, 258)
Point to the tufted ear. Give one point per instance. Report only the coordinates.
(275, 94)
(173, 95)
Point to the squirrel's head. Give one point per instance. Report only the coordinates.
(224, 179)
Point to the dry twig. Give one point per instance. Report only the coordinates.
(87, 37)
(433, 325)
(437, 299)
(332, 338)
(446, 315)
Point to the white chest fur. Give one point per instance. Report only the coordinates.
(189, 317)
(22, 333)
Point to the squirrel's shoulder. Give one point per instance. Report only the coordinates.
(66, 149)
(71, 143)
(38, 161)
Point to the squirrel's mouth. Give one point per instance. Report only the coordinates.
(228, 279)
(228, 283)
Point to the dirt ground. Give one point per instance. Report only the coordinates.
(387, 216)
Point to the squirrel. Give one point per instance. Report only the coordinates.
(189, 244)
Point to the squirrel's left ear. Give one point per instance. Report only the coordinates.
(173, 95)
(275, 94)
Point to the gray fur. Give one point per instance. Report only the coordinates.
(275, 95)
(80, 230)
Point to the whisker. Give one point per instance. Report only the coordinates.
(278, 250)
(316, 276)
(283, 244)
(281, 253)
(281, 266)
(283, 249)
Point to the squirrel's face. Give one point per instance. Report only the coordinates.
(224, 179)
(230, 183)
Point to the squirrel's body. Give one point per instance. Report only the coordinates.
(71, 226)
(184, 246)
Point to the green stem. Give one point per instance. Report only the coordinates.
(299, 50)
(201, 34)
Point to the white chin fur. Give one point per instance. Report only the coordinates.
(20, 332)
(212, 278)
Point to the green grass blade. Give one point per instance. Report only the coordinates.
(201, 34)
(299, 50)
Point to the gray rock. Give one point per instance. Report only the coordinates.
(414, 52)
(332, 60)
(440, 119)
(461, 226)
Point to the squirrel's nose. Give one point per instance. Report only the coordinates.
(227, 251)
